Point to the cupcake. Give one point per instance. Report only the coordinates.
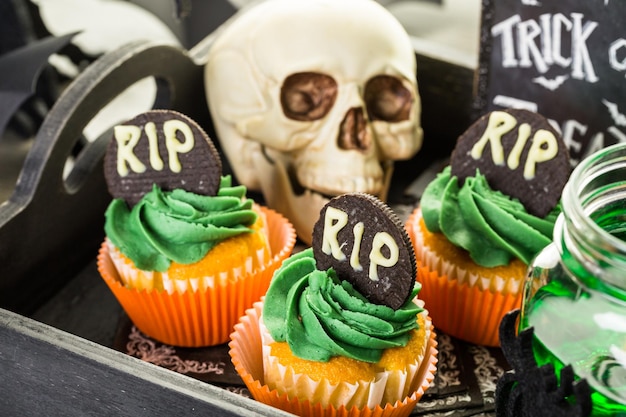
(484, 217)
(341, 330)
(185, 252)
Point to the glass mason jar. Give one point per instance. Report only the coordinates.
(575, 293)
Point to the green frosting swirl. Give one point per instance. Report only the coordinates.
(177, 225)
(320, 316)
(490, 225)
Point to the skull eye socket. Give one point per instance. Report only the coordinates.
(387, 99)
(307, 96)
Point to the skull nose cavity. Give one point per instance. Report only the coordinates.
(352, 131)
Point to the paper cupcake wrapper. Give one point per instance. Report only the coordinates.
(139, 279)
(465, 312)
(389, 386)
(246, 351)
(203, 316)
(461, 304)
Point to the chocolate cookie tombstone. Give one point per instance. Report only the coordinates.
(163, 148)
(365, 243)
(519, 153)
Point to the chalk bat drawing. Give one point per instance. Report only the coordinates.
(552, 84)
(618, 118)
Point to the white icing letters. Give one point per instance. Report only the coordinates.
(358, 237)
(543, 147)
(376, 256)
(500, 123)
(334, 221)
(174, 147)
(127, 137)
(523, 133)
(155, 159)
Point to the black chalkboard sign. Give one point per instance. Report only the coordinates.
(565, 59)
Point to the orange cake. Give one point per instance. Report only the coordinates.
(239, 254)
(341, 368)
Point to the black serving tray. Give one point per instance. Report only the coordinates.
(64, 337)
(49, 372)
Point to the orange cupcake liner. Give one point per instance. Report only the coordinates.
(467, 312)
(246, 353)
(204, 317)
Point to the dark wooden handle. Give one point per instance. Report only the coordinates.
(51, 225)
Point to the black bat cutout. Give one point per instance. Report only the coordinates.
(529, 390)
(20, 70)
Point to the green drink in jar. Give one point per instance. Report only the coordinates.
(575, 295)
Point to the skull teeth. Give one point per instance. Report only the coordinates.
(334, 186)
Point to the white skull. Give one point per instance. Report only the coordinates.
(314, 98)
